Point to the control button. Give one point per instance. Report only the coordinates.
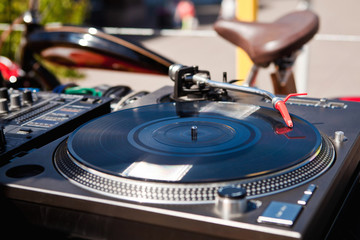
(28, 97)
(231, 201)
(232, 192)
(304, 199)
(4, 93)
(311, 189)
(307, 195)
(15, 101)
(89, 100)
(339, 137)
(24, 131)
(280, 213)
(4, 108)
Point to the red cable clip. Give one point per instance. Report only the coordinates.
(281, 107)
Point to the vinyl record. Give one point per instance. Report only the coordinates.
(193, 142)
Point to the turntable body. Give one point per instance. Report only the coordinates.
(198, 170)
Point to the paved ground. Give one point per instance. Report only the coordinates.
(333, 62)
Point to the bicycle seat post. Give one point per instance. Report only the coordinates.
(251, 77)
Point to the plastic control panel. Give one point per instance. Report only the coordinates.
(31, 119)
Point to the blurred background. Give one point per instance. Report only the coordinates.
(330, 66)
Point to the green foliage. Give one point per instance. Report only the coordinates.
(67, 12)
(65, 74)
(11, 45)
(64, 11)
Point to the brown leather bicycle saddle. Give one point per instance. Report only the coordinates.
(265, 42)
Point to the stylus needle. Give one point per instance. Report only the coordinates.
(281, 107)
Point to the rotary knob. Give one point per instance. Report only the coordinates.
(27, 97)
(15, 101)
(231, 202)
(4, 93)
(4, 108)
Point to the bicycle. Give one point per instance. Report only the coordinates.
(92, 48)
(76, 47)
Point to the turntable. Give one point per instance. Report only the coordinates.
(197, 161)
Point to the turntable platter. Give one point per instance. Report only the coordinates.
(191, 142)
(155, 142)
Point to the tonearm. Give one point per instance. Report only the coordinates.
(195, 82)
